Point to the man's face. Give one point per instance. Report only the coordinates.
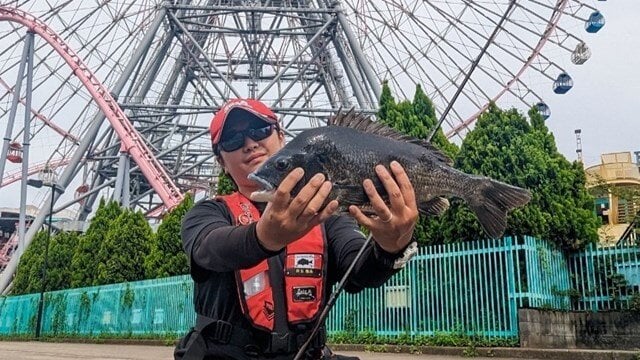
(243, 161)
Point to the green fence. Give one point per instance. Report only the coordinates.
(474, 288)
(605, 278)
(150, 307)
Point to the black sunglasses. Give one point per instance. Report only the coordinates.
(236, 141)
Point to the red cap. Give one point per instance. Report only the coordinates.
(252, 106)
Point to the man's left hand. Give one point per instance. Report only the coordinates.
(392, 225)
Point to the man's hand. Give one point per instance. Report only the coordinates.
(392, 227)
(285, 219)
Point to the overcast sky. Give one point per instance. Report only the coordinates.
(605, 99)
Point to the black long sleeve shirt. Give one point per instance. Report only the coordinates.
(217, 248)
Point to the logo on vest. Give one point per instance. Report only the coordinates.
(268, 310)
(304, 261)
(304, 293)
(245, 218)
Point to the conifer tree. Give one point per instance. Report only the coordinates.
(85, 258)
(124, 249)
(504, 146)
(61, 251)
(167, 257)
(28, 277)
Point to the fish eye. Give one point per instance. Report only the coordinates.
(282, 164)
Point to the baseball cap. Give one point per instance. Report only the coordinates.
(252, 106)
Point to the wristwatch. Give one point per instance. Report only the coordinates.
(408, 253)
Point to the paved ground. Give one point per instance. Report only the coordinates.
(63, 351)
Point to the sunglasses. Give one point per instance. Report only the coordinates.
(236, 141)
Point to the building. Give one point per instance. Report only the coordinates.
(615, 183)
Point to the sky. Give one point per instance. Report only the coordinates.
(604, 102)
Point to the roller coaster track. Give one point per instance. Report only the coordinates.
(132, 141)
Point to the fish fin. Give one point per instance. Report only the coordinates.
(493, 200)
(359, 121)
(350, 194)
(434, 207)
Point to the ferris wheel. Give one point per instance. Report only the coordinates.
(114, 97)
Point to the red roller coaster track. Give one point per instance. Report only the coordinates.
(131, 140)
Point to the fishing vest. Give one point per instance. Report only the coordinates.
(303, 276)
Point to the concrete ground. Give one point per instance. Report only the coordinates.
(63, 351)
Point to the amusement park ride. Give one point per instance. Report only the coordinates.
(116, 96)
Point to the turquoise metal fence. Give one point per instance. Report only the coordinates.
(18, 314)
(473, 288)
(150, 307)
(605, 278)
(543, 276)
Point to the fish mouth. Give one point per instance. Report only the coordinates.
(268, 190)
(266, 186)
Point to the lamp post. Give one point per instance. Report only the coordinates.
(49, 182)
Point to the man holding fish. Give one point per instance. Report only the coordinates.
(264, 258)
(264, 271)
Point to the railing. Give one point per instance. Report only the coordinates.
(474, 288)
(605, 277)
(630, 234)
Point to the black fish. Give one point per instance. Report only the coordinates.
(347, 151)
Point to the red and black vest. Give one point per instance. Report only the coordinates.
(301, 282)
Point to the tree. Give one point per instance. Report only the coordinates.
(504, 146)
(167, 257)
(124, 249)
(416, 119)
(86, 257)
(226, 185)
(61, 251)
(28, 277)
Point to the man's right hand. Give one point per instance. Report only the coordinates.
(285, 219)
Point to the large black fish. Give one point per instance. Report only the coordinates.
(347, 151)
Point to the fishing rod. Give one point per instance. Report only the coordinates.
(473, 67)
(332, 299)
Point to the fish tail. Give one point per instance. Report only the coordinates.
(492, 200)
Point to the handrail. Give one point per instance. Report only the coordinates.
(626, 236)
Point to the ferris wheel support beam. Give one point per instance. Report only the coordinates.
(329, 70)
(357, 52)
(137, 95)
(296, 57)
(197, 46)
(22, 221)
(109, 107)
(14, 104)
(95, 189)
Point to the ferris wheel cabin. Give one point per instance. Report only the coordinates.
(595, 22)
(14, 153)
(563, 83)
(543, 109)
(580, 54)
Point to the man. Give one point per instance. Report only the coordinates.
(263, 272)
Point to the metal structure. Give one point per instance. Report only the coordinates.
(122, 92)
